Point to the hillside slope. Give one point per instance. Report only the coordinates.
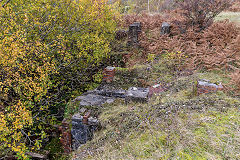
(176, 124)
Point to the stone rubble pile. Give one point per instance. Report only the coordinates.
(82, 130)
(103, 94)
(84, 126)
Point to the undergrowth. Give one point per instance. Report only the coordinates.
(201, 128)
(175, 124)
(215, 48)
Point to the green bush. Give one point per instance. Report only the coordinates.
(48, 49)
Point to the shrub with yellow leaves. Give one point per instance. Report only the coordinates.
(48, 49)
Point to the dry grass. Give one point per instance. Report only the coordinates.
(215, 48)
(235, 7)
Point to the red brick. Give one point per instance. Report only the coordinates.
(66, 137)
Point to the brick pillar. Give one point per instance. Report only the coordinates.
(66, 138)
(205, 86)
(108, 74)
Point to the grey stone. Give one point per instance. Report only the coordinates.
(165, 28)
(204, 82)
(103, 94)
(85, 103)
(77, 117)
(137, 94)
(94, 100)
(81, 133)
(133, 33)
(93, 121)
(109, 91)
(112, 93)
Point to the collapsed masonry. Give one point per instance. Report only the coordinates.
(84, 126)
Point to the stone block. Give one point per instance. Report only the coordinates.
(108, 92)
(94, 100)
(165, 29)
(133, 33)
(137, 94)
(82, 132)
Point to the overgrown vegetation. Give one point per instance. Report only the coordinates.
(176, 124)
(54, 50)
(215, 48)
(173, 125)
(200, 14)
(48, 50)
